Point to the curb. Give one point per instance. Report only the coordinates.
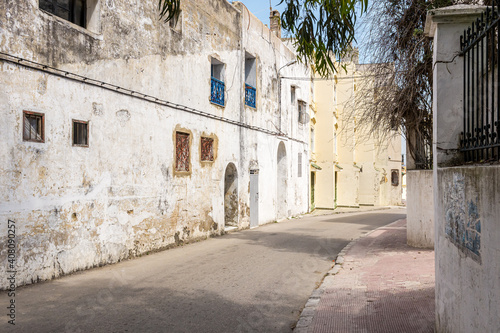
(362, 210)
(307, 314)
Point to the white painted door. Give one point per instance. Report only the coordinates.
(254, 198)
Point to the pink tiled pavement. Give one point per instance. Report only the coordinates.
(384, 286)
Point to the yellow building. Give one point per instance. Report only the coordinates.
(349, 166)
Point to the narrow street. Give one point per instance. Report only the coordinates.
(250, 281)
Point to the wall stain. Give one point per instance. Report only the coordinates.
(463, 223)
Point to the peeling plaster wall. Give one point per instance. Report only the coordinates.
(261, 153)
(80, 207)
(76, 207)
(467, 249)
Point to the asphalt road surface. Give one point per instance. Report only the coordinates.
(250, 281)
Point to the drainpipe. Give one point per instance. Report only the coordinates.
(279, 91)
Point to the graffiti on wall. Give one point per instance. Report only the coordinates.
(463, 224)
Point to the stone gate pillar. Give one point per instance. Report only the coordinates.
(453, 268)
(445, 26)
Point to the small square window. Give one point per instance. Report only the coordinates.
(394, 177)
(303, 116)
(33, 126)
(80, 133)
(207, 149)
(181, 151)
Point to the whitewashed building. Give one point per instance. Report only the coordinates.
(123, 134)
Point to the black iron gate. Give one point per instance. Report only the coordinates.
(481, 127)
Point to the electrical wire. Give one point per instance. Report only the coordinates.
(135, 94)
(339, 78)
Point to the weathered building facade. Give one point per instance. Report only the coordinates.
(356, 166)
(123, 134)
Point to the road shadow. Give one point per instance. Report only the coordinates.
(362, 219)
(111, 306)
(325, 244)
(323, 247)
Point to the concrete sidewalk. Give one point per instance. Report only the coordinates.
(379, 284)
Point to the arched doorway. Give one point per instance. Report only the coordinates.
(231, 196)
(282, 178)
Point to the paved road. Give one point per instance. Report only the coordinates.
(251, 281)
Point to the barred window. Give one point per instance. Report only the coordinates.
(207, 149)
(181, 151)
(33, 126)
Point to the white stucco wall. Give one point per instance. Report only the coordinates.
(272, 54)
(467, 249)
(77, 207)
(420, 209)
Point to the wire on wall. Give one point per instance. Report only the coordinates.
(135, 94)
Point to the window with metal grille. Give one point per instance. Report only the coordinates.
(207, 149)
(73, 11)
(33, 126)
(394, 177)
(181, 151)
(80, 133)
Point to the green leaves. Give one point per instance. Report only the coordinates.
(169, 9)
(322, 30)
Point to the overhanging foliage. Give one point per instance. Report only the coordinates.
(322, 30)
